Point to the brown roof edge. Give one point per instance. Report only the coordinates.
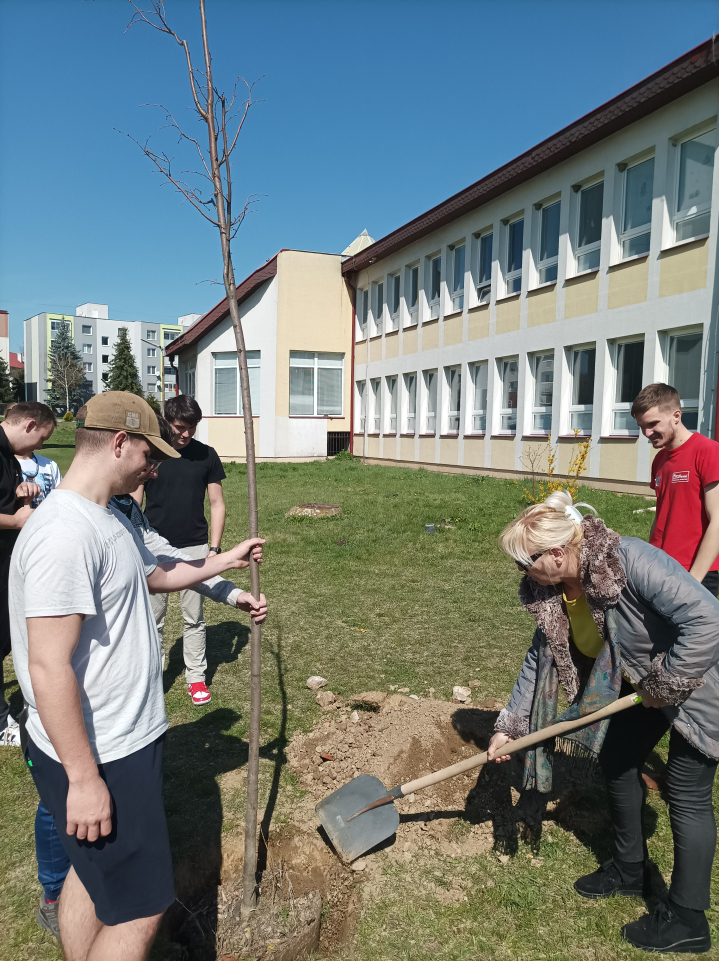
(213, 317)
(686, 73)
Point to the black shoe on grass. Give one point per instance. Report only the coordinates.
(610, 880)
(666, 931)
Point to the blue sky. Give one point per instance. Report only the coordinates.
(372, 113)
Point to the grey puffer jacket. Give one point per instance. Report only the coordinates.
(666, 623)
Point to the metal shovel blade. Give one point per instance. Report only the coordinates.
(364, 832)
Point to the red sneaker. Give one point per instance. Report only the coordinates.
(199, 693)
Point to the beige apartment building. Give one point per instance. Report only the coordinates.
(533, 306)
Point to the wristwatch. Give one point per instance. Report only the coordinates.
(217, 550)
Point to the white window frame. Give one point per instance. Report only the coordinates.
(104, 341)
(596, 246)
(392, 388)
(506, 413)
(321, 360)
(579, 409)
(254, 360)
(409, 382)
(152, 369)
(479, 373)
(538, 410)
(548, 264)
(361, 414)
(411, 288)
(511, 277)
(690, 213)
(452, 418)
(484, 282)
(87, 348)
(87, 367)
(362, 311)
(459, 251)
(190, 380)
(616, 350)
(434, 298)
(152, 351)
(105, 362)
(625, 236)
(376, 395)
(690, 404)
(430, 385)
(394, 294)
(378, 306)
(87, 330)
(150, 335)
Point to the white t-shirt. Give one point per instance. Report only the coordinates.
(41, 471)
(75, 557)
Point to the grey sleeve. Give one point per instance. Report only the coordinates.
(514, 719)
(689, 607)
(217, 589)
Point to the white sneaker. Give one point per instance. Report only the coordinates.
(10, 736)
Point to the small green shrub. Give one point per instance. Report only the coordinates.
(68, 415)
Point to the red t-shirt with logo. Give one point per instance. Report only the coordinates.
(679, 477)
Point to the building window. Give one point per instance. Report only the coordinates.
(362, 311)
(104, 377)
(152, 351)
(410, 390)
(412, 295)
(484, 275)
(87, 348)
(55, 326)
(169, 336)
(315, 384)
(479, 402)
(582, 371)
(190, 381)
(150, 335)
(628, 362)
(434, 287)
(453, 376)
(685, 371)
(637, 212)
(87, 329)
(543, 374)
(376, 386)
(104, 341)
(361, 386)
(392, 412)
(515, 244)
(694, 191)
(458, 278)
(106, 358)
(87, 367)
(430, 393)
(549, 243)
(589, 233)
(228, 395)
(509, 377)
(152, 369)
(378, 307)
(394, 301)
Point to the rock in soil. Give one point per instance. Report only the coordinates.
(315, 682)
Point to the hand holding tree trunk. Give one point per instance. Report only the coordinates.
(218, 112)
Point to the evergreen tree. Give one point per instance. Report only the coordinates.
(123, 374)
(7, 388)
(153, 402)
(66, 371)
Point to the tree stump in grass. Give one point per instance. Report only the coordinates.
(314, 510)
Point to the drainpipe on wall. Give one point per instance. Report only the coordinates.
(353, 295)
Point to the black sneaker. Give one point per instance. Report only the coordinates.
(664, 931)
(609, 881)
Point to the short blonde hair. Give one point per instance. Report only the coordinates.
(541, 527)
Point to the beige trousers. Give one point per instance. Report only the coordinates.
(193, 634)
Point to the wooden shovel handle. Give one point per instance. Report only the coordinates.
(555, 730)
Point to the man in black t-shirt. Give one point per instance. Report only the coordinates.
(175, 507)
(26, 428)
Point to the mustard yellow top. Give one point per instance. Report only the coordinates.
(581, 623)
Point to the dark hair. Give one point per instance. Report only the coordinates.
(184, 408)
(31, 410)
(656, 395)
(165, 429)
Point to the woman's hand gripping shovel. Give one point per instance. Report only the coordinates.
(361, 814)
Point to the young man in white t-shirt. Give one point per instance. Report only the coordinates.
(87, 657)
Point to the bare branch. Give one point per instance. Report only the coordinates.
(218, 282)
(181, 132)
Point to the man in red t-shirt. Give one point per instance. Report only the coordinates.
(685, 476)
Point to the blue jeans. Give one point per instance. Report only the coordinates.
(52, 862)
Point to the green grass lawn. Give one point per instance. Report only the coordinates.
(388, 605)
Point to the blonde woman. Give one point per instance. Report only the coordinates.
(613, 611)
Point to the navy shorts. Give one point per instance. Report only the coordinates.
(128, 874)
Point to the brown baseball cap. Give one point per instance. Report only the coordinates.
(121, 410)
